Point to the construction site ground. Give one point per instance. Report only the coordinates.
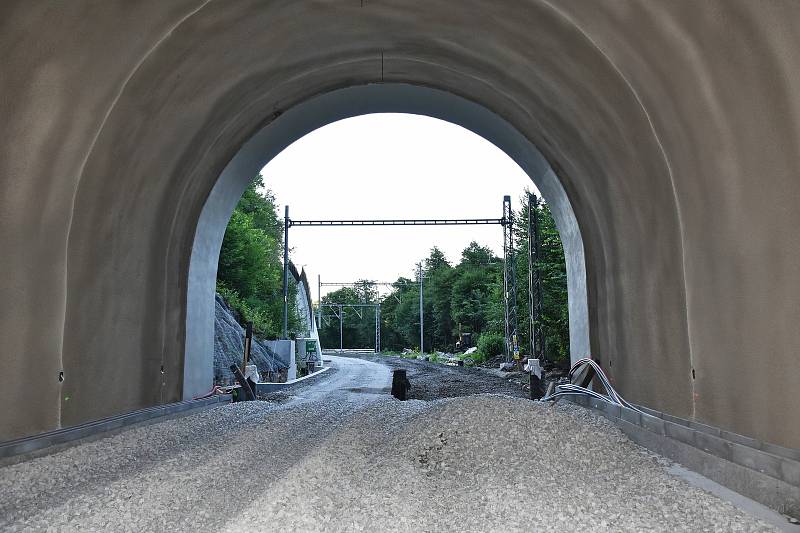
(340, 454)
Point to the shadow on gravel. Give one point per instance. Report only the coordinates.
(369, 390)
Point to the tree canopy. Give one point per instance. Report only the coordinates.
(463, 298)
(466, 297)
(250, 269)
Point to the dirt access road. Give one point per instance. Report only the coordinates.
(433, 381)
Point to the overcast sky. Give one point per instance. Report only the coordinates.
(389, 166)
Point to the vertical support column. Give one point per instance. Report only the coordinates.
(535, 278)
(377, 328)
(421, 314)
(531, 265)
(286, 274)
(510, 282)
(319, 302)
(248, 343)
(341, 319)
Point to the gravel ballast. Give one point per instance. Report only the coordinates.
(336, 460)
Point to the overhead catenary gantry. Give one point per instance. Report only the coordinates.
(338, 312)
(509, 277)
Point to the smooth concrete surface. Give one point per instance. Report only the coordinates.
(285, 350)
(671, 126)
(267, 387)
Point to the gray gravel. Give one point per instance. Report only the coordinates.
(335, 460)
(433, 381)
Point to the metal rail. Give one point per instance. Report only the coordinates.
(509, 271)
(400, 222)
(362, 283)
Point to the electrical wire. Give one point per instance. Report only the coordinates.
(571, 389)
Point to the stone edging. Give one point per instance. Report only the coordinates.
(766, 473)
(46, 442)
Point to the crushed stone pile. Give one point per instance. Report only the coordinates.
(363, 462)
(504, 464)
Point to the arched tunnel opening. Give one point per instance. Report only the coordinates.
(662, 135)
(466, 261)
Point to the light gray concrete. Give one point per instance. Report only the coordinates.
(671, 126)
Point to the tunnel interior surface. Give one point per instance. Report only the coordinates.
(669, 130)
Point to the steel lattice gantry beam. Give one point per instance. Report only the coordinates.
(509, 271)
(339, 313)
(399, 222)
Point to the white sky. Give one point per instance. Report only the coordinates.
(389, 166)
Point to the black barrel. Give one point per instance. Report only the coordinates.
(400, 384)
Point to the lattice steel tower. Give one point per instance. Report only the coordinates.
(509, 282)
(535, 279)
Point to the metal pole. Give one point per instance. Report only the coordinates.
(421, 315)
(286, 274)
(510, 282)
(535, 242)
(507, 351)
(319, 301)
(531, 303)
(377, 329)
(248, 342)
(341, 343)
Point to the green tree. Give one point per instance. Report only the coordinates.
(467, 297)
(250, 269)
(554, 320)
(474, 296)
(358, 323)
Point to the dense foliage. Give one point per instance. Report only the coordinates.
(465, 298)
(462, 298)
(250, 270)
(491, 344)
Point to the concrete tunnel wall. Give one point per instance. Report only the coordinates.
(672, 127)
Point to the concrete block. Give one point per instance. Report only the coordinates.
(713, 445)
(680, 432)
(652, 423)
(614, 411)
(756, 460)
(631, 416)
(790, 472)
(780, 451)
(651, 412)
(741, 439)
(705, 428)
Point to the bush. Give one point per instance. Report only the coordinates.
(490, 345)
(261, 322)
